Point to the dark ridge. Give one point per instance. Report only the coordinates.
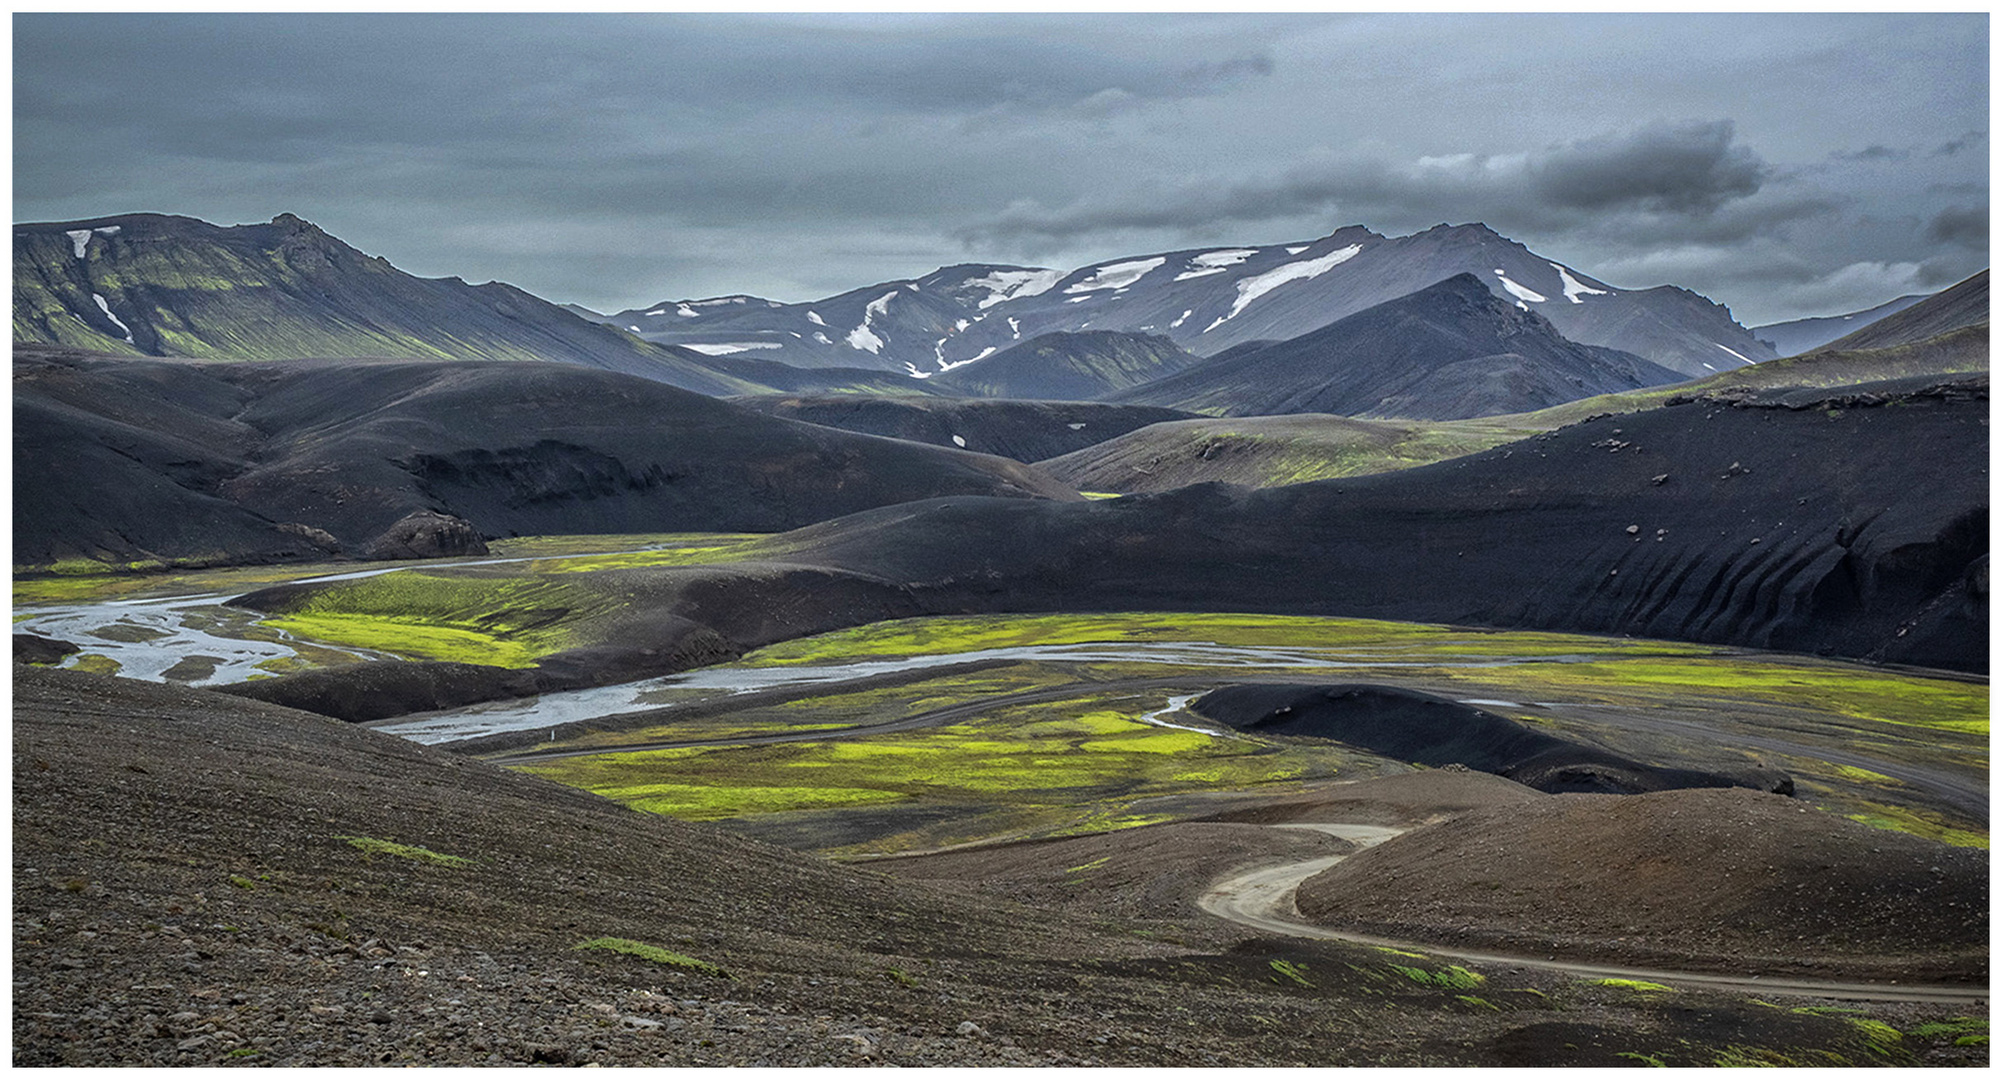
(1411, 726)
(1449, 351)
(1966, 304)
(1027, 431)
(124, 460)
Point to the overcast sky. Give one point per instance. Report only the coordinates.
(1784, 165)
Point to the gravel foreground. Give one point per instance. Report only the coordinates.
(201, 880)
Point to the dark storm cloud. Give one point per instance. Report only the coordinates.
(1870, 153)
(1657, 175)
(1973, 140)
(1677, 168)
(1962, 226)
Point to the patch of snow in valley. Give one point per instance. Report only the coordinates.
(1117, 275)
(106, 308)
(732, 347)
(1258, 285)
(1733, 352)
(1013, 285)
(864, 338)
(822, 338)
(814, 318)
(1521, 292)
(1573, 288)
(80, 239)
(1183, 319)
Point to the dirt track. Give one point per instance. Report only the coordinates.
(1262, 898)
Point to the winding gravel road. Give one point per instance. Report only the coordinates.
(1262, 898)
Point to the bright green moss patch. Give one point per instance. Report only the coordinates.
(96, 664)
(409, 639)
(1957, 1027)
(1452, 977)
(1291, 972)
(1637, 985)
(470, 617)
(652, 953)
(369, 845)
(1851, 772)
(1066, 767)
(1918, 823)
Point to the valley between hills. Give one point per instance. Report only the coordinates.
(1366, 651)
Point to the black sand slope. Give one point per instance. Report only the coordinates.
(1027, 431)
(1854, 524)
(1447, 351)
(1430, 730)
(123, 460)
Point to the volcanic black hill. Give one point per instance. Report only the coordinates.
(1068, 367)
(121, 460)
(1027, 431)
(152, 284)
(1966, 304)
(1447, 351)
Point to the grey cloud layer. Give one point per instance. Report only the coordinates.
(620, 160)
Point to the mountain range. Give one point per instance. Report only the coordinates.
(1204, 300)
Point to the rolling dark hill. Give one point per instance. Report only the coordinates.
(1964, 305)
(1447, 351)
(1850, 522)
(1027, 431)
(127, 460)
(1080, 366)
(1262, 451)
(1805, 335)
(1408, 725)
(1266, 451)
(155, 285)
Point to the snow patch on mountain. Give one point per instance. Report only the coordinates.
(1182, 319)
(1215, 262)
(1573, 288)
(1733, 352)
(685, 311)
(822, 338)
(864, 338)
(79, 239)
(730, 348)
(657, 311)
(1013, 285)
(1298, 250)
(1521, 292)
(1258, 285)
(106, 308)
(1117, 275)
(814, 318)
(1015, 327)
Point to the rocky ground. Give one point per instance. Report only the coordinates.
(203, 880)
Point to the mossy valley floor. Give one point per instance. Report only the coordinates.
(1894, 749)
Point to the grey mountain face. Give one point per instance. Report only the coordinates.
(1803, 335)
(1205, 300)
